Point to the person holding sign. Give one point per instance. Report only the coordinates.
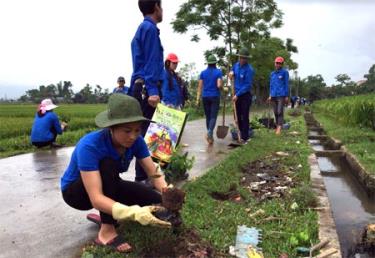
(147, 57)
(92, 178)
(209, 85)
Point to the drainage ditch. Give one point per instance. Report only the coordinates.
(352, 204)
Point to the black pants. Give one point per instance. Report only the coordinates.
(243, 104)
(278, 109)
(43, 144)
(148, 111)
(125, 192)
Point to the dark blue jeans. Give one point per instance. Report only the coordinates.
(243, 104)
(211, 108)
(148, 111)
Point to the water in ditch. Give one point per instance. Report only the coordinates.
(352, 208)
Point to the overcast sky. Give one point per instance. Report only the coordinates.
(88, 41)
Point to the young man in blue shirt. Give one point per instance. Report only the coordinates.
(243, 74)
(92, 178)
(147, 56)
(121, 88)
(279, 91)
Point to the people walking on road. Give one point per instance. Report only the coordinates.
(279, 91)
(121, 88)
(172, 83)
(243, 74)
(209, 85)
(46, 125)
(92, 178)
(147, 56)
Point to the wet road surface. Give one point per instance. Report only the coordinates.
(35, 221)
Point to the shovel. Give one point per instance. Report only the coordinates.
(235, 115)
(238, 143)
(222, 130)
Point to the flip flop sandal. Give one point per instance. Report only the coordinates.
(114, 244)
(96, 219)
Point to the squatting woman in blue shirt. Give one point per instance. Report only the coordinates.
(209, 85)
(172, 83)
(46, 125)
(92, 178)
(279, 91)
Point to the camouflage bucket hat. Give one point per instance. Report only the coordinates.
(211, 59)
(121, 109)
(244, 52)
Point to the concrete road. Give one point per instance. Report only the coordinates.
(35, 221)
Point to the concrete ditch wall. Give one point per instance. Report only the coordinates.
(358, 171)
(327, 227)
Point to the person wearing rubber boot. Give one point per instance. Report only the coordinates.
(148, 64)
(92, 179)
(172, 83)
(243, 74)
(209, 85)
(279, 91)
(46, 126)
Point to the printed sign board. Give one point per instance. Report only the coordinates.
(163, 136)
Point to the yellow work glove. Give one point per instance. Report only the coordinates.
(136, 213)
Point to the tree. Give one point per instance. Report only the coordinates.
(343, 79)
(264, 52)
(369, 85)
(64, 90)
(371, 75)
(236, 22)
(315, 87)
(189, 74)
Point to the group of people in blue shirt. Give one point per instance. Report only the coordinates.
(211, 82)
(92, 178)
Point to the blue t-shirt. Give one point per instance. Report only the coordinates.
(243, 78)
(147, 55)
(122, 90)
(171, 96)
(209, 78)
(279, 83)
(44, 126)
(94, 147)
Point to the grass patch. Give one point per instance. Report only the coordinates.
(216, 221)
(359, 141)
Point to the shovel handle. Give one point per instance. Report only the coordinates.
(224, 111)
(235, 113)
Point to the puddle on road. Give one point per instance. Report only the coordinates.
(352, 208)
